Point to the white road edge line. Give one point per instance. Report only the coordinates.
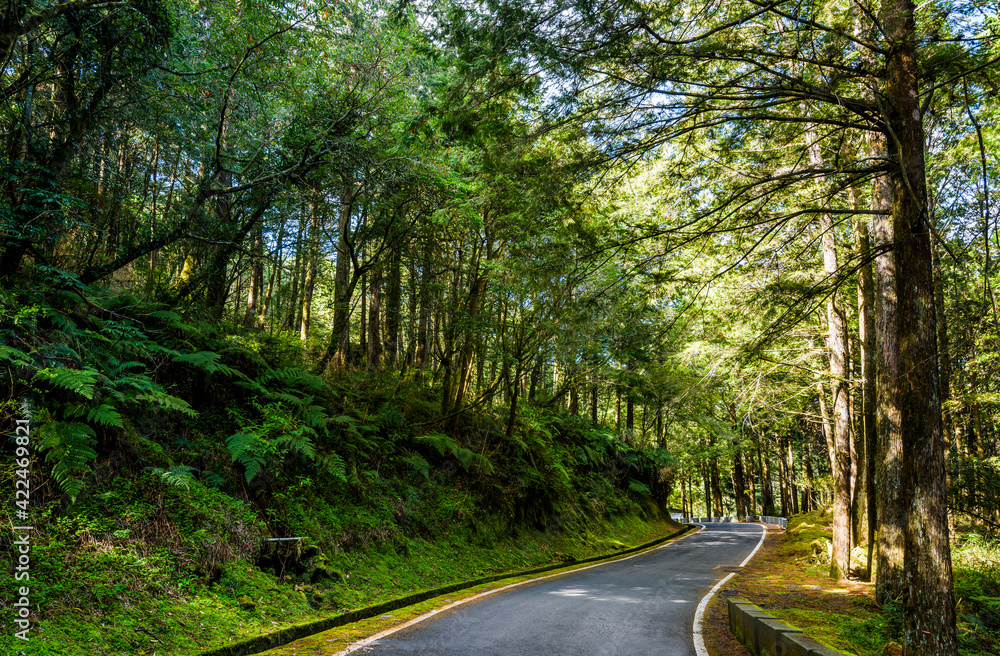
(378, 636)
(699, 640)
(763, 534)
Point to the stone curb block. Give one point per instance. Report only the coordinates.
(296, 632)
(765, 636)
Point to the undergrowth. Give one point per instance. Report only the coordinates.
(194, 483)
(846, 616)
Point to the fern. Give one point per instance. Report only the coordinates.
(315, 416)
(295, 378)
(174, 320)
(70, 447)
(13, 355)
(333, 464)
(81, 381)
(209, 361)
(167, 402)
(176, 476)
(300, 441)
(245, 450)
(446, 445)
(638, 488)
(418, 463)
(104, 414)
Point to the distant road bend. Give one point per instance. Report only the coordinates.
(640, 605)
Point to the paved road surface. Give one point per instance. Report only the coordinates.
(641, 606)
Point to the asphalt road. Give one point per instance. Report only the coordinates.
(639, 606)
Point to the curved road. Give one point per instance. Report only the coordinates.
(640, 605)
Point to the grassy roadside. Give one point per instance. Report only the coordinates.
(789, 579)
(339, 638)
(248, 601)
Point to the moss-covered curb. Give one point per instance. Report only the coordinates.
(284, 636)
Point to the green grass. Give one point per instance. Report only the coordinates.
(142, 569)
(861, 627)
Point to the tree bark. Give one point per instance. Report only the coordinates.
(375, 349)
(929, 623)
(888, 467)
(836, 343)
(863, 503)
(740, 484)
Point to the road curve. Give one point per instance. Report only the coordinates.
(640, 605)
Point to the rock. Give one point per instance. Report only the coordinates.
(246, 603)
(893, 649)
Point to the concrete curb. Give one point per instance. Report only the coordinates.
(282, 637)
(765, 636)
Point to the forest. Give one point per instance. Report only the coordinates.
(408, 277)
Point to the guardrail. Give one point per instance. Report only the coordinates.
(780, 521)
(762, 634)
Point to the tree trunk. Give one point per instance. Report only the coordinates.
(864, 493)
(783, 477)
(394, 296)
(422, 358)
(929, 623)
(716, 487)
(740, 485)
(707, 478)
(309, 281)
(888, 466)
(793, 489)
(766, 488)
(342, 290)
(944, 348)
(836, 343)
(375, 317)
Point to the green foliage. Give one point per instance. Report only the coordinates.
(80, 381)
(69, 446)
(177, 476)
(445, 444)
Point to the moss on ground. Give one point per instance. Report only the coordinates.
(789, 578)
(105, 585)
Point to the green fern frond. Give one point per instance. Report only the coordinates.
(333, 464)
(13, 355)
(300, 440)
(285, 397)
(167, 402)
(418, 463)
(105, 415)
(315, 416)
(249, 354)
(209, 361)
(176, 476)
(81, 381)
(244, 450)
(60, 321)
(638, 488)
(166, 315)
(253, 386)
(137, 382)
(444, 444)
(69, 446)
(295, 378)
(174, 320)
(118, 368)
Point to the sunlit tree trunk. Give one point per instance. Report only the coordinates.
(929, 623)
(863, 507)
(836, 343)
(889, 464)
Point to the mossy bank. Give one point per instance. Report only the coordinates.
(194, 484)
